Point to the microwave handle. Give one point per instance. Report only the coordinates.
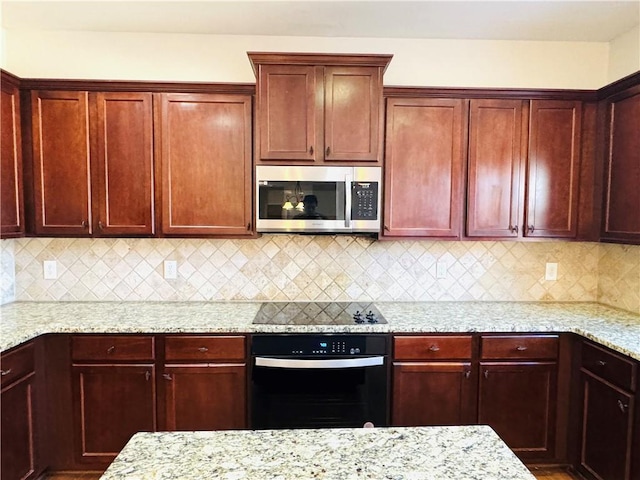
(349, 193)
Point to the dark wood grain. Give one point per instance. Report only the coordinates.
(112, 347)
(622, 196)
(123, 197)
(496, 168)
(432, 347)
(206, 164)
(11, 189)
(553, 169)
(204, 347)
(423, 167)
(514, 347)
(518, 400)
(61, 161)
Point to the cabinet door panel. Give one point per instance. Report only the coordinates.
(60, 123)
(287, 114)
(11, 208)
(423, 167)
(553, 172)
(18, 430)
(622, 201)
(123, 175)
(111, 403)
(352, 113)
(518, 400)
(606, 430)
(206, 164)
(209, 397)
(432, 394)
(495, 158)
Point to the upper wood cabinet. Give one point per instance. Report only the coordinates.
(621, 213)
(205, 164)
(497, 129)
(524, 173)
(319, 108)
(423, 167)
(122, 171)
(553, 171)
(11, 208)
(92, 163)
(61, 162)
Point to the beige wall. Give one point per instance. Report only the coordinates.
(211, 58)
(624, 55)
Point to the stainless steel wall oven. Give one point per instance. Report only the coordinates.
(315, 381)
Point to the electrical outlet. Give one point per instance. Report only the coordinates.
(551, 271)
(441, 270)
(170, 269)
(50, 269)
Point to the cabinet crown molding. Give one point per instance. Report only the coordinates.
(326, 59)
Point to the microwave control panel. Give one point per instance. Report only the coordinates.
(364, 201)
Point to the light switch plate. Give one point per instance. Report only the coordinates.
(551, 272)
(170, 269)
(50, 269)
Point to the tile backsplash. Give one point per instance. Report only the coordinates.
(321, 268)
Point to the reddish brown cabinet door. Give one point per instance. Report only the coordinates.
(289, 114)
(123, 177)
(518, 400)
(496, 169)
(62, 191)
(111, 403)
(353, 114)
(554, 168)
(432, 393)
(18, 447)
(622, 196)
(206, 164)
(423, 167)
(607, 422)
(205, 397)
(11, 208)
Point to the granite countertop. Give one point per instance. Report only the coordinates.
(617, 329)
(434, 453)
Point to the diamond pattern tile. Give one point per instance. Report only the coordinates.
(322, 268)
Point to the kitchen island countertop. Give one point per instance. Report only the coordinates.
(616, 329)
(433, 453)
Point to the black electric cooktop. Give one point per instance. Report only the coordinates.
(318, 313)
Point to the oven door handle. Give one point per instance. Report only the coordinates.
(329, 363)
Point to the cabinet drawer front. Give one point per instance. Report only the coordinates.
(112, 347)
(205, 348)
(611, 367)
(16, 364)
(520, 347)
(432, 347)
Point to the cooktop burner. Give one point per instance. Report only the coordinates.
(318, 313)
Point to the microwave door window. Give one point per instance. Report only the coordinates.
(293, 200)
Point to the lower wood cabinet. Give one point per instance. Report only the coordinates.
(517, 392)
(607, 446)
(114, 393)
(204, 387)
(18, 450)
(111, 403)
(432, 381)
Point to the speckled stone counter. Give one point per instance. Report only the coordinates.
(611, 327)
(433, 453)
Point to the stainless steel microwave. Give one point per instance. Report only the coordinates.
(318, 199)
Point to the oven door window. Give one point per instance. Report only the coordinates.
(294, 200)
(317, 398)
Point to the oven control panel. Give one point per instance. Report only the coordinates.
(318, 345)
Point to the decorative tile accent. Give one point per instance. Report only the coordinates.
(297, 267)
(619, 276)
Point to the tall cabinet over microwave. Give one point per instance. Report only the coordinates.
(319, 108)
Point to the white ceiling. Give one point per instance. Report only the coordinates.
(572, 20)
